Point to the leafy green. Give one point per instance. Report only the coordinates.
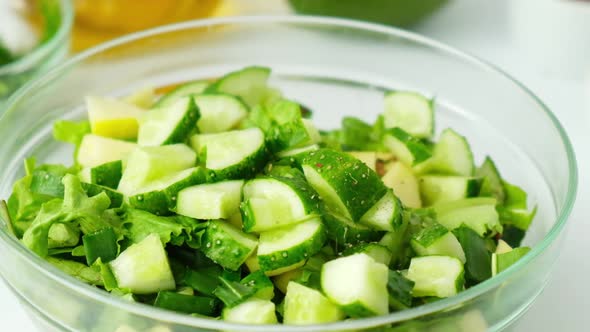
(175, 230)
(232, 293)
(75, 207)
(491, 184)
(478, 266)
(70, 131)
(204, 280)
(356, 135)
(80, 271)
(108, 279)
(63, 235)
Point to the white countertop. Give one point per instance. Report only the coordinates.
(564, 304)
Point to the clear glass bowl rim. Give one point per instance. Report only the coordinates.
(170, 317)
(39, 53)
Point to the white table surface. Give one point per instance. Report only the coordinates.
(564, 304)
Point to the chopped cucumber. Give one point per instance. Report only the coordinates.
(142, 97)
(451, 155)
(288, 246)
(435, 239)
(491, 183)
(169, 125)
(343, 232)
(218, 200)
(377, 251)
(108, 174)
(160, 196)
(404, 183)
(297, 151)
(97, 150)
(410, 111)
(181, 91)
(385, 215)
(502, 261)
(234, 154)
(347, 186)
(400, 290)
(439, 276)
(252, 311)
(261, 284)
(113, 118)
(305, 305)
(248, 83)
(147, 164)
(407, 148)
(444, 188)
(357, 284)
(270, 203)
(227, 245)
(143, 268)
(478, 214)
(367, 157)
(219, 112)
(100, 244)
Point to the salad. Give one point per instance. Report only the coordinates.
(222, 199)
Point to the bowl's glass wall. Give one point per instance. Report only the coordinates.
(337, 69)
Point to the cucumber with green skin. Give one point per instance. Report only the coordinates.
(219, 112)
(446, 188)
(385, 215)
(288, 246)
(451, 155)
(219, 200)
(347, 186)
(305, 306)
(436, 239)
(407, 148)
(108, 174)
(477, 213)
(183, 90)
(274, 202)
(227, 245)
(250, 84)
(439, 276)
(169, 125)
(237, 154)
(409, 111)
(344, 232)
(160, 197)
(377, 251)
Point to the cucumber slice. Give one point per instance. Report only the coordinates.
(502, 261)
(143, 267)
(347, 186)
(143, 97)
(439, 276)
(491, 184)
(261, 283)
(233, 154)
(108, 174)
(113, 118)
(410, 111)
(404, 183)
(297, 151)
(344, 233)
(357, 284)
(248, 83)
(169, 125)
(478, 214)
(218, 200)
(252, 311)
(270, 203)
(97, 150)
(227, 245)
(407, 148)
(304, 306)
(146, 164)
(219, 112)
(435, 239)
(160, 196)
(289, 246)
(183, 90)
(369, 158)
(444, 188)
(95, 189)
(378, 252)
(385, 215)
(451, 155)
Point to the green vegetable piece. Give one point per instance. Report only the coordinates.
(100, 244)
(77, 270)
(186, 303)
(176, 230)
(409, 149)
(232, 293)
(203, 280)
(227, 245)
(400, 291)
(304, 305)
(478, 263)
(253, 311)
(261, 284)
(513, 235)
(71, 132)
(63, 235)
(435, 239)
(491, 184)
(108, 174)
(501, 262)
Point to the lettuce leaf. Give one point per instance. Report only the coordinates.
(90, 275)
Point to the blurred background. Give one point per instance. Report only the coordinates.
(545, 44)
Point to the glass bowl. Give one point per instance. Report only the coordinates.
(47, 54)
(335, 67)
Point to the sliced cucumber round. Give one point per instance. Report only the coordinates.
(147, 164)
(304, 305)
(234, 154)
(410, 111)
(275, 202)
(219, 200)
(219, 112)
(347, 186)
(290, 245)
(357, 284)
(439, 276)
(169, 125)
